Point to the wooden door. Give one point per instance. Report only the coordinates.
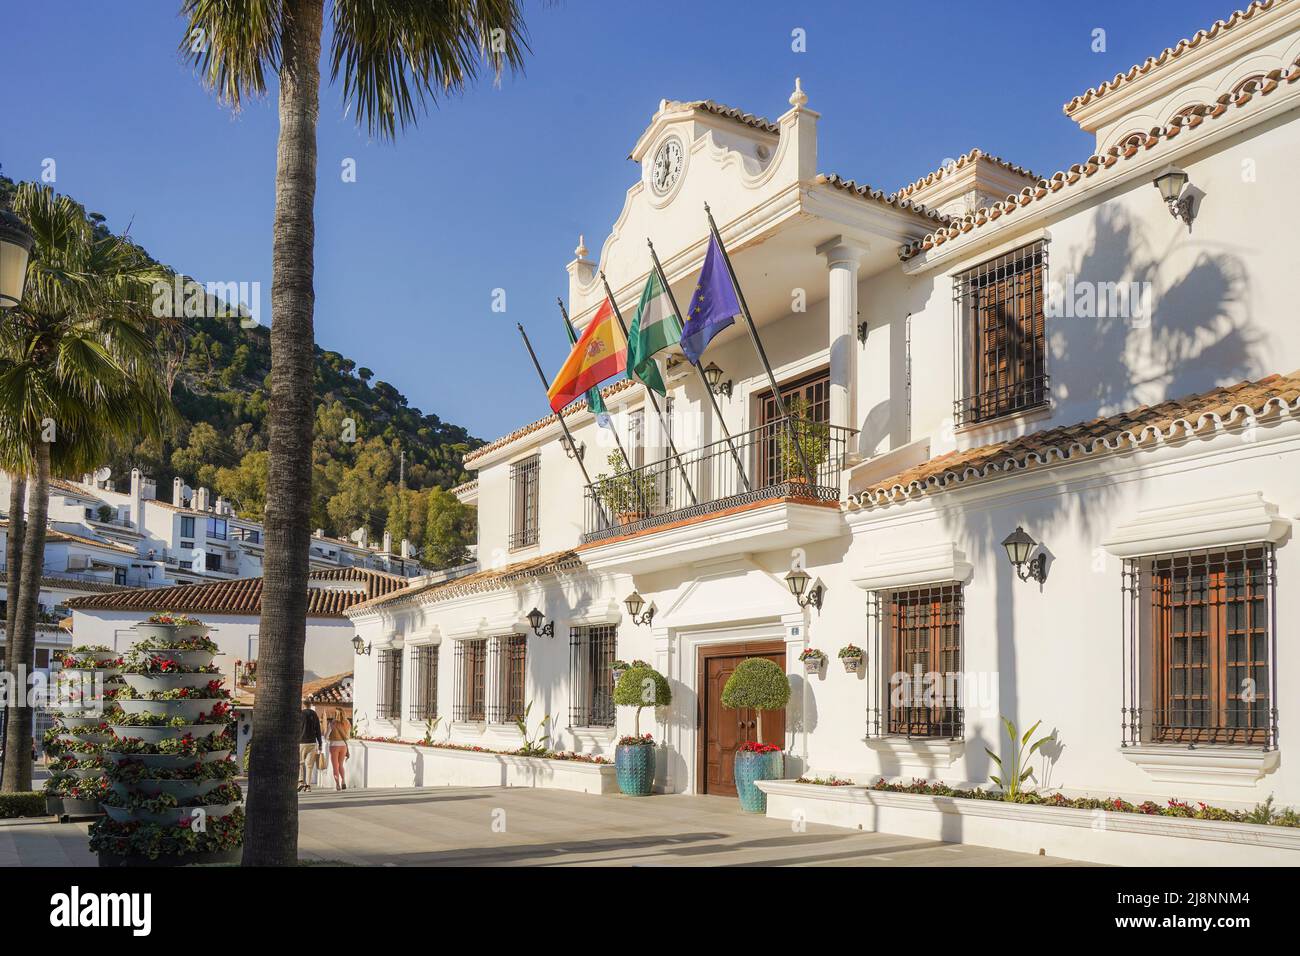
(724, 730)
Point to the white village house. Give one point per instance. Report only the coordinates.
(987, 350)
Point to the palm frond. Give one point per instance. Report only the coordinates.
(233, 43)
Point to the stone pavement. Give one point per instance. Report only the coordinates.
(528, 827)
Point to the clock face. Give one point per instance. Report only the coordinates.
(667, 166)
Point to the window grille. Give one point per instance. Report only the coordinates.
(915, 640)
(1199, 649)
(509, 656)
(591, 680)
(524, 502)
(1002, 354)
(471, 681)
(388, 704)
(424, 682)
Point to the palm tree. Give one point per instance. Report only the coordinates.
(78, 372)
(393, 57)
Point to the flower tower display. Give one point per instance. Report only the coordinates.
(84, 693)
(756, 684)
(172, 799)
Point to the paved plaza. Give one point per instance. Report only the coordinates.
(528, 827)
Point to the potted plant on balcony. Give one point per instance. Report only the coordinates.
(813, 659)
(627, 495)
(851, 656)
(758, 684)
(640, 686)
(802, 435)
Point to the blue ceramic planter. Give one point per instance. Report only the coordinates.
(634, 766)
(750, 767)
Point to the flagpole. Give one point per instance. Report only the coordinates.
(613, 426)
(708, 389)
(560, 416)
(758, 347)
(650, 392)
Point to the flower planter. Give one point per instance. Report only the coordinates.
(86, 773)
(166, 633)
(184, 859)
(144, 683)
(156, 735)
(751, 767)
(634, 765)
(813, 665)
(168, 760)
(851, 664)
(180, 789)
(54, 805)
(68, 721)
(172, 817)
(190, 709)
(81, 808)
(184, 658)
(628, 517)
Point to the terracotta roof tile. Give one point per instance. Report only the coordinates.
(876, 195)
(579, 406)
(961, 162)
(491, 579)
(729, 112)
(244, 595)
(1144, 426)
(329, 690)
(1170, 54)
(1099, 164)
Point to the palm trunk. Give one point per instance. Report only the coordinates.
(271, 836)
(18, 730)
(14, 555)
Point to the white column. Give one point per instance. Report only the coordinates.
(842, 260)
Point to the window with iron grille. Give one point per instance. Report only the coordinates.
(388, 703)
(471, 681)
(1002, 358)
(524, 502)
(509, 655)
(813, 393)
(918, 642)
(591, 676)
(1204, 620)
(424, 682)
(636, 437)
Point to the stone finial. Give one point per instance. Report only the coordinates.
(798, 99)
(581, 251)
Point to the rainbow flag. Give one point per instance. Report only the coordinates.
(599, 353)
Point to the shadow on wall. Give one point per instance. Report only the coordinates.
(1178, 335)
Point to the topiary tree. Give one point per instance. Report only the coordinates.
(642, 686)
(758, 683)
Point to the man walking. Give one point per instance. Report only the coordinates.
(309, 744)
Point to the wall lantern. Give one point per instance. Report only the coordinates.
(1019, 544)
(16, 243)
(572, 450)
(535, 618)
(361, 647)
(713, 375)
(1172, 183)
(635, 602)
(797, 581)
(862, 333)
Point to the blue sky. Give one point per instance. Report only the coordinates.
(493, 188)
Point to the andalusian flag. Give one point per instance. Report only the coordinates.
(654, 329)
(599, 353)
(595, 404)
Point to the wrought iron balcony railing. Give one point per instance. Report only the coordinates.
(756, 465)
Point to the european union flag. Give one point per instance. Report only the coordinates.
(713, 306)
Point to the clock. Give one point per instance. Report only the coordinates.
(667, 167)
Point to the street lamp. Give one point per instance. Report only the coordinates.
(635, 602)
(797, 581)
(535, 618)
(1019, 544)
(16, 242)
(713, 375)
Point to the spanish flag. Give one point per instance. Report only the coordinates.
(599, 353)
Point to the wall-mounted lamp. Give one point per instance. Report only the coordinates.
(570, 451)
(1019, 545)
(713, 375)
(635, 602)
(862, 333)
(1172, 183)
(535, 618)
(797, 581)
(361, 647)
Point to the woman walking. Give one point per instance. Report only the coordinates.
(337, 731)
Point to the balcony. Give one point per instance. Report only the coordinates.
(754, 492)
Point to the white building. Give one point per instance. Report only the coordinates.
(988, 350)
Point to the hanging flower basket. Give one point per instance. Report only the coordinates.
(813, 660)
(852, 657)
